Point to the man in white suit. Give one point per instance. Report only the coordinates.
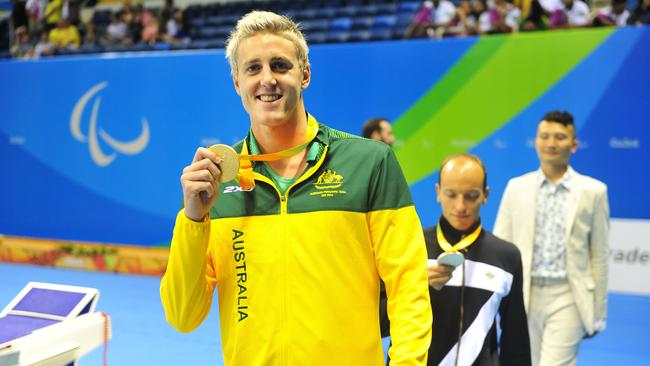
(559, 220)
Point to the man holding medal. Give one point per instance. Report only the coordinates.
(296, 244)
(473, 276)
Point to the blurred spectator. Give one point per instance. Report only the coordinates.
(615, 14)
(142, 15)
(43, 47)
(504, 17)
(149, 29)
(167, 13)
(21, 44)
(550, 6)
(148, 23)
(418, 27)
(432, 19)
(570, 14)
(71, 10)
(116, 32)
(536, 19)
(126, 13)
(175, 30)
(89, 34)
(132, 20)
(19, 16)
(36, 11)
(524, 6)
(471, 19)
(52, 14)
(640, 14)
(126, 6)
(65, 35)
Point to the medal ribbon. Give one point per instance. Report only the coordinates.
(245, 177)
(464, 243)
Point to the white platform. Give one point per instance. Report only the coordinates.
(51, 325)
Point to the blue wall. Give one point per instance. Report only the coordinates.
(54, 185)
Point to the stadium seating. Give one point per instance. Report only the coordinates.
(322, 21)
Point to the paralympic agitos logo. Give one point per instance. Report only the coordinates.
(95, 133)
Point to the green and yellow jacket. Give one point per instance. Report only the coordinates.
(297, 274)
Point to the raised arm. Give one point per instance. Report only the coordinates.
(188, 284)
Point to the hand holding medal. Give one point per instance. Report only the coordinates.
(230, 161)
(440, 270)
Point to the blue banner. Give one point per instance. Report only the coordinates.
(92, 148)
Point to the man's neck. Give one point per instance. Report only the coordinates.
(554, 172)
(454, 235)
(271, 139)
(283, 136)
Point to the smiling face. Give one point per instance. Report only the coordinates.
(555, 143)
(270, 79)
(460, 192)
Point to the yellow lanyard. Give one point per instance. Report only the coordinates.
(464, 243)
(246, 179)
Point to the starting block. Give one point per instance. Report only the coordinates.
(51, 325)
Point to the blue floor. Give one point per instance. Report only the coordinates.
(142, 337)
(140, 334)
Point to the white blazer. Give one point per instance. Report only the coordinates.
(587, 239)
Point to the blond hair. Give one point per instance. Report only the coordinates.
(266, 22)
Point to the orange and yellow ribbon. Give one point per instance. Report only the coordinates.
(464, 243)
(246, 178)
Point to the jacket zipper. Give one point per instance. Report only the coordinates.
(284, 202)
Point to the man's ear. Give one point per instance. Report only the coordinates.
(438, 192)
(306, 76)
(575, 146)
(235, 82)
(486, 193)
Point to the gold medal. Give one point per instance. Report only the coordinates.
(230, 161)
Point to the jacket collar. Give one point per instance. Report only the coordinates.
(452, 235)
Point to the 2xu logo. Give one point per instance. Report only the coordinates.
(100, 158)
(233, 189)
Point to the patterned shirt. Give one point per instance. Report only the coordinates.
(549, 251)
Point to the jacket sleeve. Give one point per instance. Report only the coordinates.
(400, 256)
(188, 284)
(514, 342)
(599, 249)
(503, 223)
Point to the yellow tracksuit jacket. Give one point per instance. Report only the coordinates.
(298, 274)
